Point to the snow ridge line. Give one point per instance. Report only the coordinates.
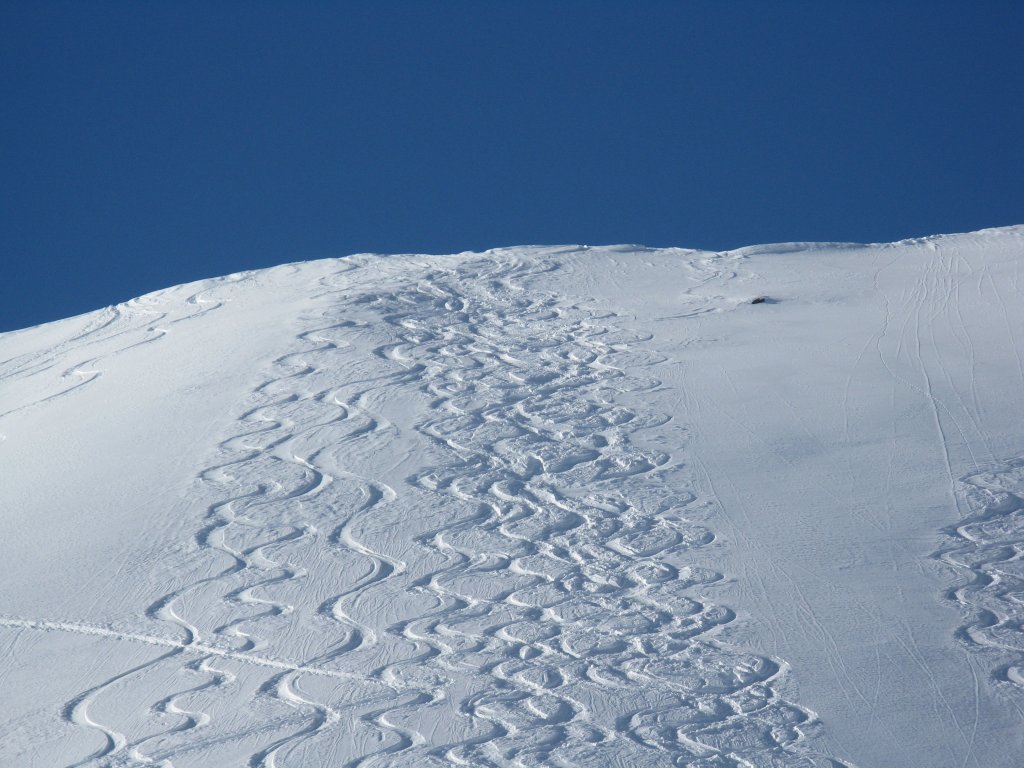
(987, 548)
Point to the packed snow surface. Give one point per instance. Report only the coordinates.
(536, 506)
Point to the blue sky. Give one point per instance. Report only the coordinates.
(146, 144)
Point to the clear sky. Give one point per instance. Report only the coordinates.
(145, 144)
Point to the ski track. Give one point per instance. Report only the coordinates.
(115, 330)
(987, 548)
(541, 605)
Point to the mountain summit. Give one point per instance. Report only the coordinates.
(538, 506)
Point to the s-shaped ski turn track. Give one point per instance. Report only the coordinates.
(532, 507)
(432, 538)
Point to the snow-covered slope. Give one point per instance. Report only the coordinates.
(537, 506)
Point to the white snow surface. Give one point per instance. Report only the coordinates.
(566, 506)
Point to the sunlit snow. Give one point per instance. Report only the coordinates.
(539, 506)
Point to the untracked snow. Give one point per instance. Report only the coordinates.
(537, 506)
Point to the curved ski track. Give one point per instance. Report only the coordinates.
(130, 324)
(987, 547)
(525, 601)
